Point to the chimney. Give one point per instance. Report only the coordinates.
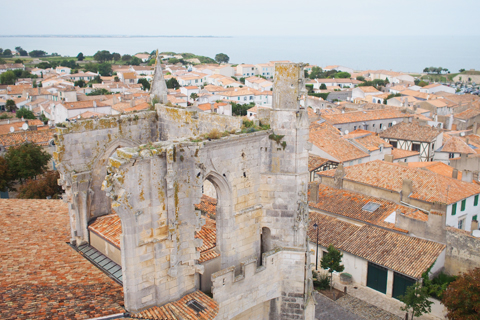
(467, 176)
(313, 188)
(94, 103)
(132, 104)
(388, 158)
(475, 128)
(473, 227)
(212, 107)
(338, 176)
(38, 90)
(407, 188)
(455, 174)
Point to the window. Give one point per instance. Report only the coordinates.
(461, 224)
(416, 147)
(354, 127)
(464, 201)
(475, 200)
(475, 218)
(451, 155)
(389, 124)
(393, 143)
(373, 125)
(454, 209)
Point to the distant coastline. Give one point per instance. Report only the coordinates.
(103, 36)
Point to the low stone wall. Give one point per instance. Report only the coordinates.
(462, 252)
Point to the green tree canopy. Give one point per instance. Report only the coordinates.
(25, 113)
(462, 297)
(42, 188)
(317, 73)
(102, 56)
(461, 70)
(145, 83)
(37, 53)
(105, 69)
(172, 83)
(323, 86)
(194, 96)
(21, 52)
(79, 83)
(241, 109)
(342, 75)
(126, 57)
(135, 61)
(98, 92)
(8, 77)
(361, 78)
(116, 56)
(222, 57)
(416, 300)
(331, 261)
(6, 178)
(27, 160)
(7, 52)
(10, 105)
(80, 57)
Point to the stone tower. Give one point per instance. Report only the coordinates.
(261, 181)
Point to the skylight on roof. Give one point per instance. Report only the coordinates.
(371, 206)
(195, 305)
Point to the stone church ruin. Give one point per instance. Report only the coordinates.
(149, 167)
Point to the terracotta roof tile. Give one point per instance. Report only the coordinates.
(108, 227)
(456, 145)
(436, 166)
(405, 254)
(400, 153)
(467, 114)
(427, 186)
(327, 138)
(41, 137)
(41, 276)
(207, 205)
(359, 116)
(315, 161)
(351, 205)
(180, 309)
(411, 131)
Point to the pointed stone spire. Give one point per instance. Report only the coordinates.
(159, 87)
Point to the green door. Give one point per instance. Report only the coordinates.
(377, 277)
(400, 284)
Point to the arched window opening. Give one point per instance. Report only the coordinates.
(265, 243)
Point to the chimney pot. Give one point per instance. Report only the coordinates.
(455, 174)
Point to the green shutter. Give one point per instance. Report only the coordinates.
(377, 277)
(454, 209)
(475, 200)
(463, 204)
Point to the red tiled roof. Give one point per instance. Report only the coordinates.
(180, 309)
(41, 137)
(405, 254)
(207, 205)
(108, 227)
(315, 161)
(400, 153)
(436, 166)
(411, 131)
(350, 204)
(456, 145)
(327, 138)
(427, 186)
(359, 116)
(41, 276)
(208, 234)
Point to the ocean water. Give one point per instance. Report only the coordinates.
(406, 53)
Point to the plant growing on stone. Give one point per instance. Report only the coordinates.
(214, 134)
(416, 301)
(331, 262)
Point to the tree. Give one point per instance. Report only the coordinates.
(105, 69)
(25, 114)
(18, 61)
(79, 83)
(194, 96)
(172, 83)
(416, 81)
(145, 83)
(342, 75)
(331, 262)
(116, 56)
(241, 109)
(102, 56)
(10, 106)
(8, 77)
(361, 78)
(21, 52)
(316, 73)
(422, 83)
(126, 57)
(323, 86)
(1, 51)
(6, 179)
(41, 188)
(98, 92)
(80, 57)
(7, 52)
(461, 70)
(462, 297)
(416, 300)
(222, 57)
(27, 160)
(43, 65)
(37, 53)
(242, 80)
(135, 61)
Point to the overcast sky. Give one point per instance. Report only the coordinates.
(246, 17)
